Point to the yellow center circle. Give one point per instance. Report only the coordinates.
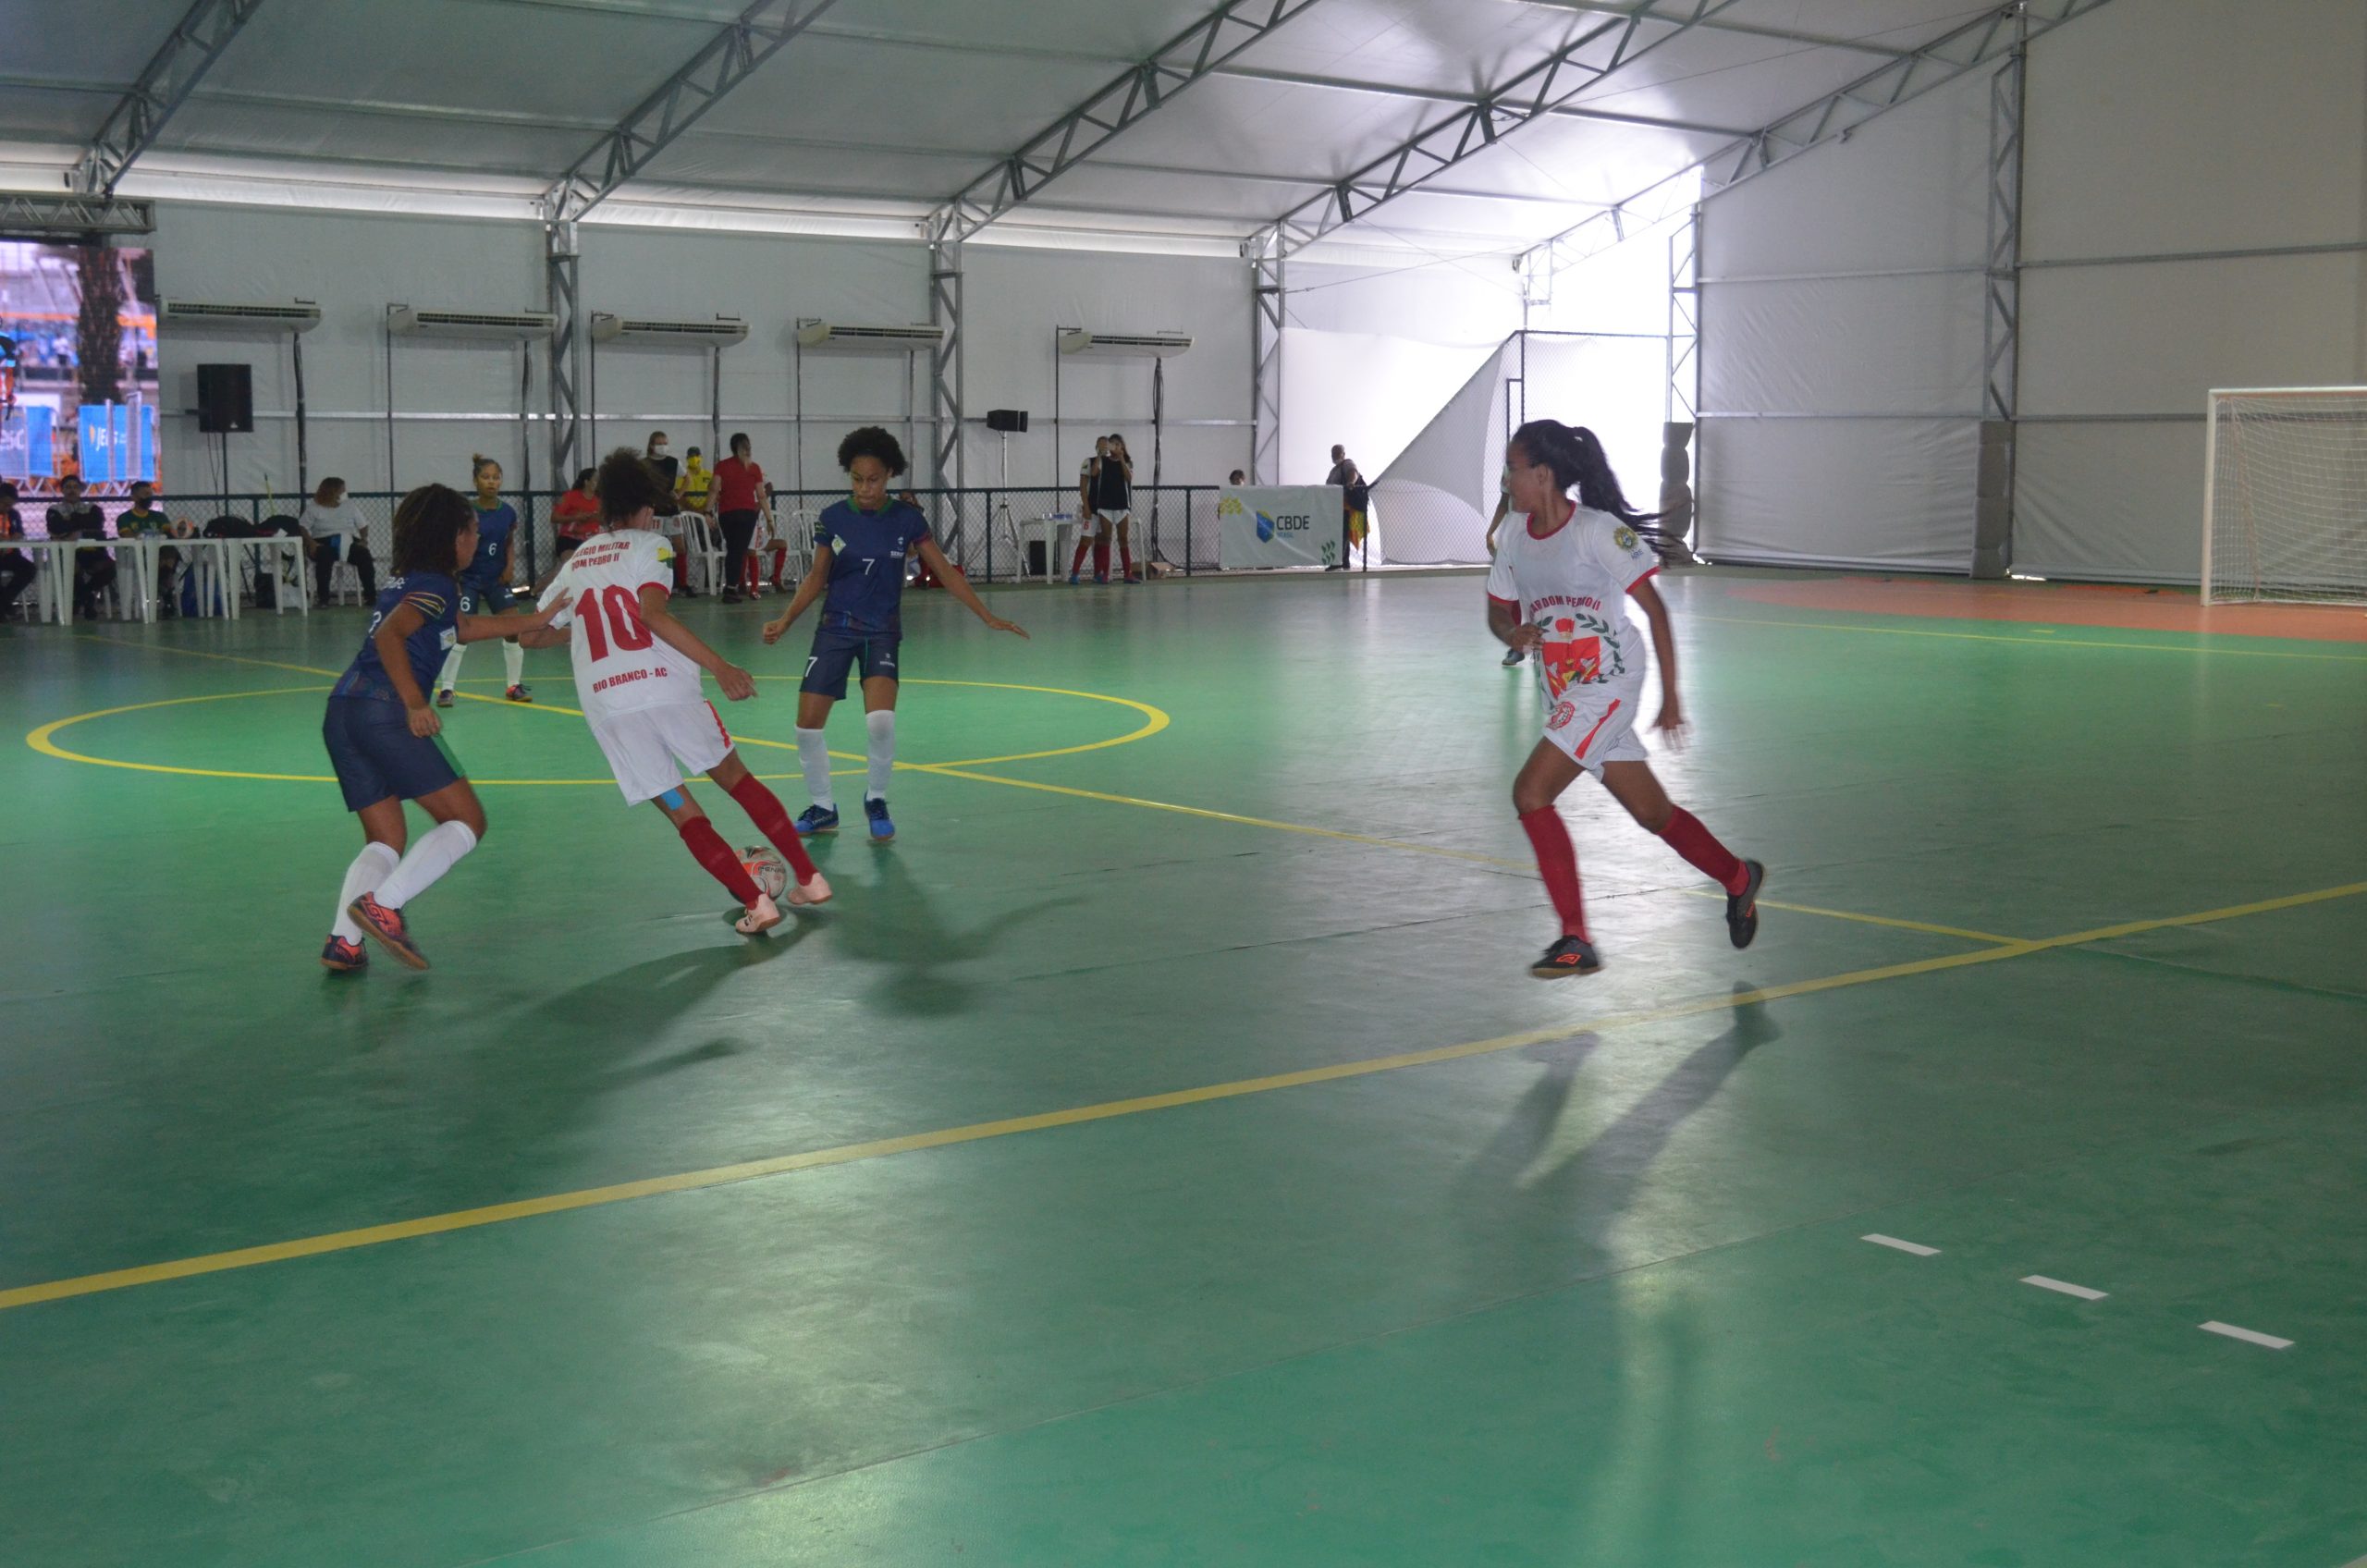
(43, 739)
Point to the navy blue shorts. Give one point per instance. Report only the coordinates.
(836, 652)
(376, 757)
(486, 598)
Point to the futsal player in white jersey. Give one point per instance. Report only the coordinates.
(1564, 570)
(637, 681)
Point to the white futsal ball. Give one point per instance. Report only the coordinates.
(765, 866)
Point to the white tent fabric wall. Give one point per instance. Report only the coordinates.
(2149, 136)
(1858, 396)
(1436, 497)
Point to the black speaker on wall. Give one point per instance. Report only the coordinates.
(226, 400)
(1011, 422)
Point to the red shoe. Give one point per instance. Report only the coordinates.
(341, 957)
(386, 926)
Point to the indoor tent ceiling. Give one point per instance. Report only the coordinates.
(882, 110)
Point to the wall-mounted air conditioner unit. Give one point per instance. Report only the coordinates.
(301, 316)
(1161, 344)
(716, 333)
(470, 324)
(868, 339)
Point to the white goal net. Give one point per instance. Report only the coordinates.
(2284, 508)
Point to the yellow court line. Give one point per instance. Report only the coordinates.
(846, 1154)
(1891, 921)
(2052, 640)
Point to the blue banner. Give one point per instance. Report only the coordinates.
(29, 444)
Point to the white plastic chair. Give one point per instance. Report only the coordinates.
(702, 553)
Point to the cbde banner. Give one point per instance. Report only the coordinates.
(1278, 525)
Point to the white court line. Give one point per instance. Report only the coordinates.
(2247, 1335)
(1901, 1247)
(2066, 1287)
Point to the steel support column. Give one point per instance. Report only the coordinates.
(946, 387)
(562, 260)
(1992, 544)
(1263, 252)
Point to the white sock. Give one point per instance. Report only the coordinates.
(513, 660)
(373, 866)
(813, 757)
(882, 751)
(451, 676)
(435, 851)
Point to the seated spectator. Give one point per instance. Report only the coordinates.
(144, 521)
(575, 516)
(16, 574)
(74, 517)
(334, 528)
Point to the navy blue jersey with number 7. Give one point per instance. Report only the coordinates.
(868, 554)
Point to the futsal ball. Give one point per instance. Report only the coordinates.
(766, 869)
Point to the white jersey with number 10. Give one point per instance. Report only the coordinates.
(621, 665)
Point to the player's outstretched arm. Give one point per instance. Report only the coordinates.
(737, 683)
(486, 627)
(959, 586)
(1655, 608)
(817, 576)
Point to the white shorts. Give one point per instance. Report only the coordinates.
(1594, 723)
(649, 750)
(1114, 519)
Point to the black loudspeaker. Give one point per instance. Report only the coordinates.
(226, 400)
(1011, 422)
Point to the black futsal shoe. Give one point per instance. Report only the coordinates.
(1571, 955)
(1742, 909)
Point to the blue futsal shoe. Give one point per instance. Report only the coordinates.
(881, 828)
(816, 820)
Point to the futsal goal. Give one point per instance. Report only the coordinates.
(2284, 496)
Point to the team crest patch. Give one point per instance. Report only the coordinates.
(1623, 536)
(1563, 714)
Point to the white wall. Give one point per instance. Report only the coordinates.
(2154, 128)
(2164, 128)
(1864, 390)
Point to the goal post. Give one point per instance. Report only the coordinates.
(2284, 496)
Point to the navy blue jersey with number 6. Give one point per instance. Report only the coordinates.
(868, 553)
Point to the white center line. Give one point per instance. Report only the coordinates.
(1901, 1247)
(2066, 1287)
(2248, 1336)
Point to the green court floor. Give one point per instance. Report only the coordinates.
(1160, 1155)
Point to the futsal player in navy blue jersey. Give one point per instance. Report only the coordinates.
(486, 579)
(862, 549)
(384, 738)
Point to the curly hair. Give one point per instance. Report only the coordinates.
(428, 525)
(626, 483)
(872, 442)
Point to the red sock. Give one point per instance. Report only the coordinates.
(707, 848)
(1077, 563)
(1125, 558)
(1700, 848)
(1558, 859)
(764, 809)
(1101, 558)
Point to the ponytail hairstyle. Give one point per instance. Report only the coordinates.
(1577, 458)
(428, 525)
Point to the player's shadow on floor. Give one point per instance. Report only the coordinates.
(892, 922)
(1627, 1368)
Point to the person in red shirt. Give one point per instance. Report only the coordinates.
(740, 499)
(575, 516)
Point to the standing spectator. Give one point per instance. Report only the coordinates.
(142, 520)
(74, 517)
(668, 510)
(742, 497)
(695, 487)
(1237, 479)
(16, 574)
(1105, 502)
(575, 516)
(1354, 497)
(334, 527)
